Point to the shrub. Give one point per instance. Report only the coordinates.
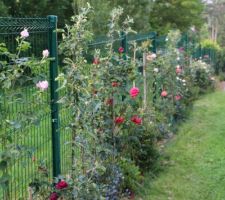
(210, 44)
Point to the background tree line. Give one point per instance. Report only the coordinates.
(157, 15)
(207, 16)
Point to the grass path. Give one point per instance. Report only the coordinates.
(195, 169)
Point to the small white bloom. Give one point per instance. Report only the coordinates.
(156, 70)
(193, 29)
(45, 53)
(184, 81)
(166, 39)
(178, 58)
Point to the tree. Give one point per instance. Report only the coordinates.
(25, 8)
(3, 9)
(180, 14)
(138, 10)
(215, 16)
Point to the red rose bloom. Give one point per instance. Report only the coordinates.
(115, 84)
(121, 50)
(53, 196)
(61, 185)
(109, 102)
(134, 91)
(96, 61)
(137, 120)
(119, 120)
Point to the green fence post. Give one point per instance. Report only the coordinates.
(54, 95)
(154, 47)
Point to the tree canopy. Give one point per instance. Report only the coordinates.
(148, 15)
(181, 14)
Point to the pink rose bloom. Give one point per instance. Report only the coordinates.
(121, 50)
(151, 57)
(181, 49)
(137, 120)
(134, 91)
(45, 53)
(53, 196)
(164, 93)
(178, 70)
(178, 97)
(42, 85)
(24, 34)
(119, 120)
(61, 185)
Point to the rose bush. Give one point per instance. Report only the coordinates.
(110, 126)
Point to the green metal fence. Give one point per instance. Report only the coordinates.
(38, 139)
(49, 140)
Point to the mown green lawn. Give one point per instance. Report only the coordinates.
(195, 169)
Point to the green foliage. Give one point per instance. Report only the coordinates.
(222, 76)
(3, 9)
(201, 74)
(210, 44)
(63, 8)
(132, 175)
(180, 14)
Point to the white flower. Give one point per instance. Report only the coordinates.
(193, 29)
(156, 70)
(212, 78)
(178, 58)
(45, 53)
(184, 81)
(24, 34)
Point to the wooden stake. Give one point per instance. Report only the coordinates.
(145, 82)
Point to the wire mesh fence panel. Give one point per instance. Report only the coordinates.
(35, 134)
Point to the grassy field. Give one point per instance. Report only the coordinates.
(194, 161)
